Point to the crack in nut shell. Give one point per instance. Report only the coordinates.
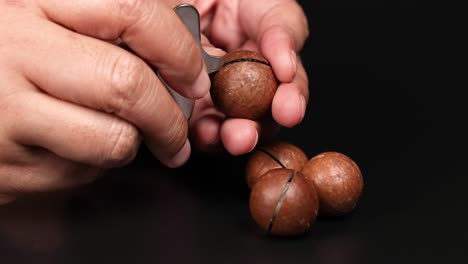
(299, 203)
(245, 86)
(273, 155)
(280, 202)
(246, 60)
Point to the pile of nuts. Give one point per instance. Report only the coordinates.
(289, 191)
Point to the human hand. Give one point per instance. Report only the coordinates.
(278, 30)
(73, 102)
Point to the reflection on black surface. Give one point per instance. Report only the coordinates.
(147, 214)
(150, 215)
(340, 249)
(32, 229)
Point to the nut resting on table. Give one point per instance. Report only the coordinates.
(289, 191)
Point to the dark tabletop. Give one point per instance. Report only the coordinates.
(385, 83)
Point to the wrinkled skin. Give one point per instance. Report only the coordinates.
(72, 102)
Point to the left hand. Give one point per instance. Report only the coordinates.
(275, 28)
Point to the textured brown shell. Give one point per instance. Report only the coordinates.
(338, 181)
(273, 155)
(244, 87)
(281, 208)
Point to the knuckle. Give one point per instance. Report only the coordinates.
(185, 53)
(127, 77)
(130, 10)
(186, 59)
(124, 143)
(133, 11)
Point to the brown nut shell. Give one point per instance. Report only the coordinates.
(273, 155)
(338, 181)
(244, 87)
(283, 203)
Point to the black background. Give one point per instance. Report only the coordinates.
(386, 83)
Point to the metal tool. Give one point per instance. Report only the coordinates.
(191, 19)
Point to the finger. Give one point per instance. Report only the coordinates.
(205, 123)
(210, 48)
(150, 28)
(290, 101)
(102, 76)
(205, 126)
(74, 132)
(225, 31)
(250, 45)
(280, 29)
(43, 171)
(239, 136)
(205, 133)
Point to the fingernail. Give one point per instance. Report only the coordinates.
(293, 55)
(302, 103)
(201, 86)
(181, 157)
(256, 141)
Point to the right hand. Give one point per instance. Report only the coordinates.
(72, 102)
